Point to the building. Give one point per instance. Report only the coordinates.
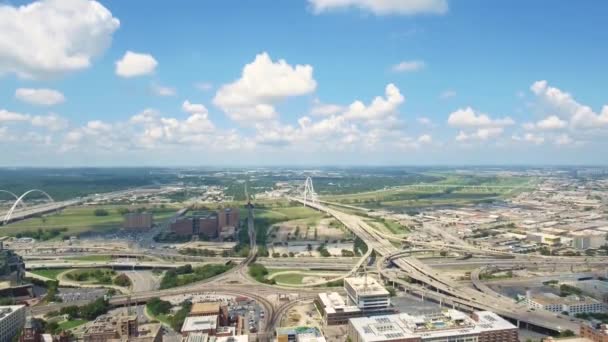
(202, 337)
(366, 293)
(595, 331)
(595, 288)
(299, 334)
(12, 319)
(32, 332)
(335, 311)
(121, 328)
(546, 239)
(443, 326)
(572, 304)
(200, 324)
(587, 239)
(205, 309)
(183, 226)
(208, 224)
(143, 221)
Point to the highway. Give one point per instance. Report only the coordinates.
(444, 290)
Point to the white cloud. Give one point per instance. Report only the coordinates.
(563, 104)
(383, 7)
(161, 90)
(380, 108)
(193, 108)
(563, 140)
(482, 134)
(469, 118)
(41, 96)
(447, 94)
(325, 109)
(204, 86)
(263, 82)
(425, 139)
(532, 138)
(134, 64)
(52, 122)
(409, 66)
(51, 37)
(6, 116)
(551, 123)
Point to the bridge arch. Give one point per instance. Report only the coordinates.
(19, 200)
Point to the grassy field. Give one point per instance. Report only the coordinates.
(50, 273)
(102, 258)
(71, 324)
(78, 220)
(289, 213)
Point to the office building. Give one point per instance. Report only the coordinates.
(587, 239)
(441, 326)
(121, 328)
(366, 293)
(12, 320)
(595, 331)
(222, 223)
(141, 221)
(335, 311)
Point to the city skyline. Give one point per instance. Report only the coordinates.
(310, 82)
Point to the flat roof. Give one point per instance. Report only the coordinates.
(207, 307)
(429, 326)
(366, 286)
(199, 323)
(236, 338)
(333, 302)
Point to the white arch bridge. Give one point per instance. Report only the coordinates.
(19, 201)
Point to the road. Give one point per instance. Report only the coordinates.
(444, 289)
(142, 281)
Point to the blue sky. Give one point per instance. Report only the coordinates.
(293, 82)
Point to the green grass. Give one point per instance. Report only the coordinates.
(290, 213)
(79, 220)
(290, 278)
(50, 273)
(71, 324)
(163, 318)
(91, 258)
(101, 276)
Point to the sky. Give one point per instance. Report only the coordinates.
(303, 82)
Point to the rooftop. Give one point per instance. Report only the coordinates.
(204, 308)
(366, 286)
(333, 302)
(199, 323)
(435, 325)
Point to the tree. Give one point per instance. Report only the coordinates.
(100, 212)
(443, 253)
(567, 333)
(309, 247)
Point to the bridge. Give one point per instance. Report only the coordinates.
(428, 281)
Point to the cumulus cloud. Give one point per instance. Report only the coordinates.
(52, 37)
(425, 139)
(550, 123)
(563, 104)
(204, 86)
(409, 66)
(379, 109)
(469, 118)
(41, 96)
(52, 122)
(481, 134)
(6, 116)
(262, 83)
(325, 109)
(134, 64)
(383, 7)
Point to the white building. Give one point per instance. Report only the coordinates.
(588, 239)
(203, 324)
(12, 319)
(572, 304)
(366, 293)
(444, 326)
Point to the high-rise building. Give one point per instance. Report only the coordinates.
(366, 293)
(12, 319)
(209, 224)
(142, 221)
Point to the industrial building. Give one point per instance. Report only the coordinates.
(222, 223)
(572, 304)
(448, 325)
(587, 239)
(143, 221)
(12, 320)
